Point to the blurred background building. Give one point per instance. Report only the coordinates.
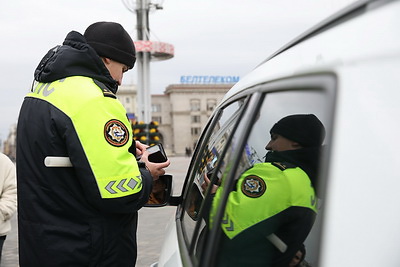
(180, 113)
(9, 144)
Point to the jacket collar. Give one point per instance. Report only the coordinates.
(74, 58)
(308, 159)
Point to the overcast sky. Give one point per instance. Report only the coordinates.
(211, 37)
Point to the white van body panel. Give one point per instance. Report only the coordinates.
(170, 253)
(370, 36)
(362, 207)
(362, 221)
(362, 218)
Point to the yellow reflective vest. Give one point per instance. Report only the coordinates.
(103, 131)
(263, 191)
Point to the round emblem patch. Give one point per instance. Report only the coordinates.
(116, 133)
(253, 186)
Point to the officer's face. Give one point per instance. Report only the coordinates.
(280, 143)
(116, 69)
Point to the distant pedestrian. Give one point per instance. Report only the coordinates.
(188, 151)
(8, 197)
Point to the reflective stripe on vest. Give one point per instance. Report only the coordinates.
(90, 112)
(262, 192)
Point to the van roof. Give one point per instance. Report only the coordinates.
(351, 11)
(305, 51)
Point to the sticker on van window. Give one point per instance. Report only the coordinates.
(253, 186)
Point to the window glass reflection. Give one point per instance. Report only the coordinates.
(271, 212)
(209, 157)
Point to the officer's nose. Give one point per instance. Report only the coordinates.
(268, 146)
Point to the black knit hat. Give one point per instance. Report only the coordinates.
(109, 39)
(305, 129)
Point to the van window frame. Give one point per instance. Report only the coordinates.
(207, 194)
(322, 82)
(204, 137)
(194, 166)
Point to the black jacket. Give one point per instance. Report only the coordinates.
(63, 218)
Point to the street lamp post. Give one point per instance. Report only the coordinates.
(143, 62)
(146, 51)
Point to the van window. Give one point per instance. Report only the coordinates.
(207, 157)
(242, 239)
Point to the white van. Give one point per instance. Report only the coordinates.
(346, 71)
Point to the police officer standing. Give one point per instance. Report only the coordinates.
(273, 207)
(79, 184)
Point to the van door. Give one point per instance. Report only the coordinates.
(241, 151)
(196, 201)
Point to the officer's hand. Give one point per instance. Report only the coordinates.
(140, 148)
(205, 184)
(156, 169)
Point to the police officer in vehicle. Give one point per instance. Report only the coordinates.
(273, 207)
(79, 184)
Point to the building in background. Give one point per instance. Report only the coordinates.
(181, 112)
(10, 144)
(191, 106)
(127, 95)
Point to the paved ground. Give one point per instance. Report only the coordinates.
(10, 249)
(152, 223)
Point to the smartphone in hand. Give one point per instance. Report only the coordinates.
(157, 153)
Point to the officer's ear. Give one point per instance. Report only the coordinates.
(106, 61)
(296, 145)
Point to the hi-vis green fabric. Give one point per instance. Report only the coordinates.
(101, 125)
(262, 192)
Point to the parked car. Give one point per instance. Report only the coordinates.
(346, 71)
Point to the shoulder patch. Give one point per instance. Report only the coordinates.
(283, 165)
(253, 186)
(106, 92)
(116, 133)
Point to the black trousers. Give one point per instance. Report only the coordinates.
(2, 239)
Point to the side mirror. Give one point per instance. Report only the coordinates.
(161, 193)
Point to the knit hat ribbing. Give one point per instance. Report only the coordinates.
(109, 39)
(305, 129)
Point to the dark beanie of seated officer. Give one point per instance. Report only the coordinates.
(305, 129)
(110, 40)
(309, 132)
